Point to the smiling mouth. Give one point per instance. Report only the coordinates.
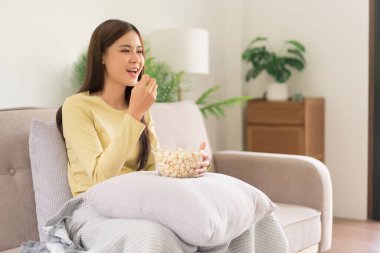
(133, 71)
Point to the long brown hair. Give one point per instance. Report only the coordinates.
(103, 37)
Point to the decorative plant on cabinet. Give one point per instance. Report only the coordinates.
(277, 66)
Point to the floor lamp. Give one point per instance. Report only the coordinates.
(184, 49)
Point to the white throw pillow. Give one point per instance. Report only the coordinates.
(48, 160)
(204, 211)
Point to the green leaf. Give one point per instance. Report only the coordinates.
(216, 108)
(297, 53)
(79, 71)
(278, 70)
(297, 44)
(295, 63)
(251, 53)
(259, 57)
(255, 54)
(203, 98)
(213, 111)
(220, 111)
(249, 75)
(256, 40)
(256, 71)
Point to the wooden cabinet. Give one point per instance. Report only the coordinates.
(287, 127)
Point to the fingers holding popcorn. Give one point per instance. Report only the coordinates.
(202, 168)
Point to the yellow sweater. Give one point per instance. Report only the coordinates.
(101, 142)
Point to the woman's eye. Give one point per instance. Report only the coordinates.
(128, 51)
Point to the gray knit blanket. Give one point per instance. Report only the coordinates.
(78, 227)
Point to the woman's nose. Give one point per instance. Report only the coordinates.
(134, 58)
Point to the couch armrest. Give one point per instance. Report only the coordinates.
(291, 179)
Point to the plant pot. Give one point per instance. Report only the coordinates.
(277, 92)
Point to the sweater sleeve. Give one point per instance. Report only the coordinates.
(83, 144)
(150, 165)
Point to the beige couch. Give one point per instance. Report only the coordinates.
(301, 186)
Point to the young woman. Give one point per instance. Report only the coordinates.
(107, 125)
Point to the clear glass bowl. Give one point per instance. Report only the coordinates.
(178, 163)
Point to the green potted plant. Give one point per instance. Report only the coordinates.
(275, 65)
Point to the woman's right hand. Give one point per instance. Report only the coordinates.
(143, 96)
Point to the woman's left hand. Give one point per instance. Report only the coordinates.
(205, 164)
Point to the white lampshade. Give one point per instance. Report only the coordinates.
(183, 49)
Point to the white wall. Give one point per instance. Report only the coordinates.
(41, 39)
(335, 34)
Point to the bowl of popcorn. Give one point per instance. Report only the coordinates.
(178, 163)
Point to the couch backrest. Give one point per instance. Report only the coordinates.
(18, 221)
(177, 124)
(180, 124)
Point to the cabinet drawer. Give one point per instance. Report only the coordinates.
(276, 113)
(278, 139)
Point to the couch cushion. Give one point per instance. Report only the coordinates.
(15, 250)
(302, 225)
(49, 171)
(17, 212)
